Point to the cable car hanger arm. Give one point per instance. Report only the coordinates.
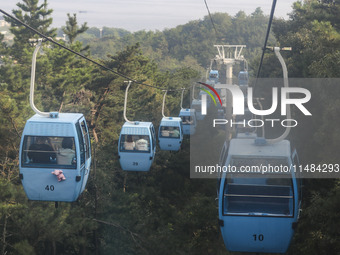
(164, 103)
(286, 85)
(34, 60)
(125, 102)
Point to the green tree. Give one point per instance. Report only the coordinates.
(34, 15)
(313, 33)
(195, 40)
(72, 30)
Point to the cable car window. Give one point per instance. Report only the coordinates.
(187, 120)
(197, 106)
(49, 152)
(259, 194)
(81, 144)
(243, 76)
(86, 138)
(135, 143)
(169, 132)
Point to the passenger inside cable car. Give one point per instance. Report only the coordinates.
(135, 143)
(165, 131)
(51, 152)
(41, 150)
(172, 132)
(129, 144)
(66, 154)
(213, 75)
(187, 120)
(142, 144)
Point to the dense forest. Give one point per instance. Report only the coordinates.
(163, 211)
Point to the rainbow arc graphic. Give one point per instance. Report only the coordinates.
(209, 93)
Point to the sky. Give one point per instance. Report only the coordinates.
(134, 15)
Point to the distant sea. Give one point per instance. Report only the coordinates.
(134, 15)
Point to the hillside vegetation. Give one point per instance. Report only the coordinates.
(162, 211)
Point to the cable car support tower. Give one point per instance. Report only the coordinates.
(228, 55)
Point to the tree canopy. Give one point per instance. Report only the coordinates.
(162, 211)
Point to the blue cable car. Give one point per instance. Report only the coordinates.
(55, 152)
(213, 78)
(137, 146)
(188, 117)
(243, 78)
(59, 145)
(196, 105)
(170, 134)
(137, 143)
(258, 212)
(209, 101)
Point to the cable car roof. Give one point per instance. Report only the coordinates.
(187, 112)
(43, 126)
(136, 128)
(138, 124)
(247, 147)
(196, 102)
(171, 121)
(62, 117)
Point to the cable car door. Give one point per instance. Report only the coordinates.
(153, 140)
(84, 152)
(87, 146)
